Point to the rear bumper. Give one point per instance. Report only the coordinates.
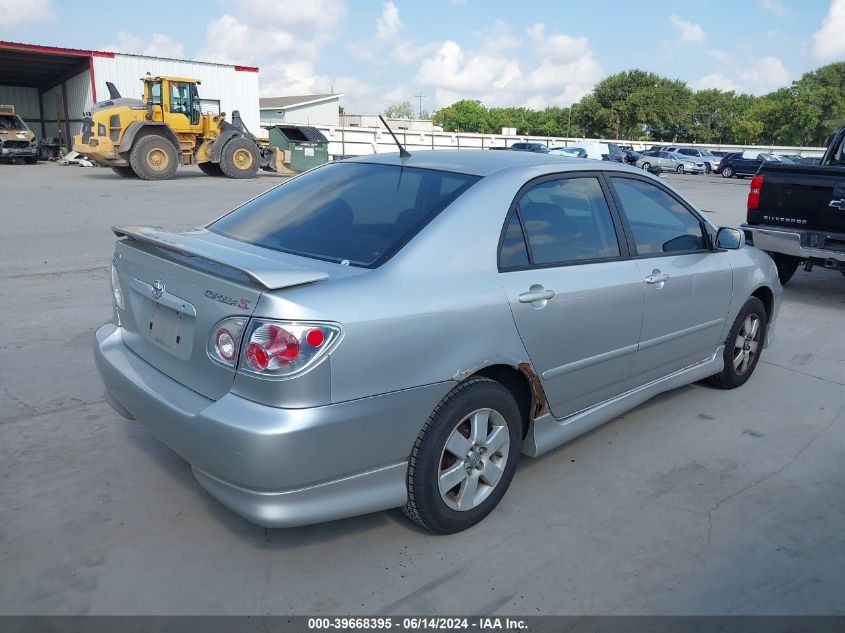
(795, 243)
(275, 467)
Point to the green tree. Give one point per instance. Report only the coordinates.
(463, 116)
(402, 110)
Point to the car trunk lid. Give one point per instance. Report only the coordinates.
(178, 286)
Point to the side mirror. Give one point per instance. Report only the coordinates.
(729, 238)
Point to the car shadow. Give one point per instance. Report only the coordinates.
(822, 287)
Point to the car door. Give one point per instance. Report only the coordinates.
(687, 285)
(576, 298)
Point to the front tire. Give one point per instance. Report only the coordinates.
(743, 346)
(680, 169)
(707, 168)
(727, 172)
(31, 160)
(647, 166)
(153, 157)
(240, 158)
(465, 457)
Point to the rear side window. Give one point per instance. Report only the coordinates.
(564, 221)
(660, 223)
(356, 212)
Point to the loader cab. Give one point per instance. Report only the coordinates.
(177, 99)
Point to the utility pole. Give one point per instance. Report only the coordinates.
(420, 97)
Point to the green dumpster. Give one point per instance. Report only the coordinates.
(303, 147)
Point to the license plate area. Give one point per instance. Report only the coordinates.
(169, 329)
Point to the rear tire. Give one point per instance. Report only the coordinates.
(743, 346)
(124, 172)
(786, 265)
(727, 172)
(240, 158)
(153, 157)
(211, 169)
(465, 457)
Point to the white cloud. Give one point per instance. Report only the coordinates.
(14, 13)
(716, 80)
(283, 39)
(721, 56)
(752, 76)
(566, 70)
(688, 32)
(773, 6)
(157, 45)
(829, 41)
(389, 25)
(764, 75)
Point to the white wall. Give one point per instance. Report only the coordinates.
(235, 89)
(324, 113)
(358, 141)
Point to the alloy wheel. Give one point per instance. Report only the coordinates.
(747, 344)
(473, 459)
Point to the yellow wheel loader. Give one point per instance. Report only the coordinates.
(150, 138)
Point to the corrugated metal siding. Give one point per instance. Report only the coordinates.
(236, 90)
(25, 101)
(53, 106)
(79, 95)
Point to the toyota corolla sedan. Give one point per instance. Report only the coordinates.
(392, 331)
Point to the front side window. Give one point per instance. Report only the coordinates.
(180, 98)
(659, 222)
(355, 212)
(566, 221)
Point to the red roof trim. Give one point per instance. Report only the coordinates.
(102, 54)
(247, 69)
(48, 50)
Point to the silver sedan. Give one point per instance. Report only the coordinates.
(670, 161)
(395, 331)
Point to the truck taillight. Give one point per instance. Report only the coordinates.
(285, 349)
(225, 340)
(754, 192)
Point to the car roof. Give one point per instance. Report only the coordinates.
(475, 162)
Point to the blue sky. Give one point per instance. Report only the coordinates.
(499, 51)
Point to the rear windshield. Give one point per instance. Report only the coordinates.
(345, 212)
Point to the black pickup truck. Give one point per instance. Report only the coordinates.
(796, 213)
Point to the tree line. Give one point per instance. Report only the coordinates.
(640, 105)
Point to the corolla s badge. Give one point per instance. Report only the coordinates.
(157, 289)
(243, 304)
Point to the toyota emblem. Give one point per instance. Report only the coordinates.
(157, 289)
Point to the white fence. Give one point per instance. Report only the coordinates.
(358, 141)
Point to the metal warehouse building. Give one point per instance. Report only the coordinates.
(52, 87)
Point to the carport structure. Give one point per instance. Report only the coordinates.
(50, 87)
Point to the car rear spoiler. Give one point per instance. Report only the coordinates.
(266, 271)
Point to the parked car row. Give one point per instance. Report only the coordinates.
(682, 160)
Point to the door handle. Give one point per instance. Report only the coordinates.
(536, 293)
(657, 277)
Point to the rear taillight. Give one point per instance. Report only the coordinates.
(754, 192)
(116, 290)
(284, 349)
(225, 340)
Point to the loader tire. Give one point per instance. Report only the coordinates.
(240, 158)
(153, 157)
(211, 169)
